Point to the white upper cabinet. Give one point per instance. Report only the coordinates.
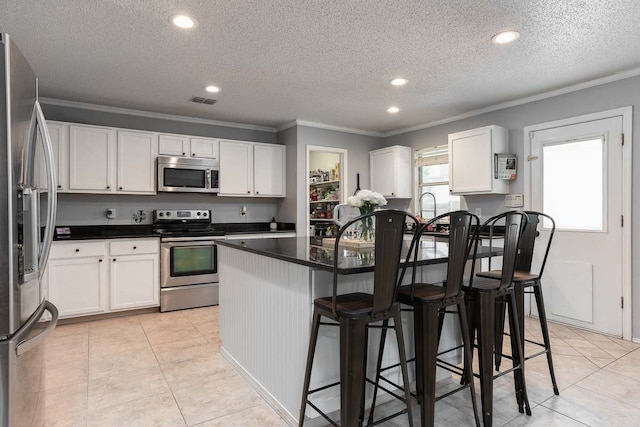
(185, 146)
(135, 165)
(236, 168)
(59, 142)
(269, 169)
(251, 169)
(205, 147)
(391, 171)
(472, 161)
(91, 159)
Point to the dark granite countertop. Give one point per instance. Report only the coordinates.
(89, 232)
(300, 250)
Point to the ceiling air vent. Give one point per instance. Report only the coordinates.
(201, 100)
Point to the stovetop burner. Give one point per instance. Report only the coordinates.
(184, 223)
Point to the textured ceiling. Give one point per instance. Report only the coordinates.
(322, 61)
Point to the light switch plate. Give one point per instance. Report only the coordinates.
(514, 200)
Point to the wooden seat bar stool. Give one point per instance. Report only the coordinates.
(429, 302)
(524, 279)
(482, 295)
(353, 313)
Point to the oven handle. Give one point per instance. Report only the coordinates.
(188, 241)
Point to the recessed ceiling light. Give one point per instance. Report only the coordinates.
(183, 21)
(212, 89)
(393, 110)
(399, 81)
(505, 37)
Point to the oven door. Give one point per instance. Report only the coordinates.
(188, 263)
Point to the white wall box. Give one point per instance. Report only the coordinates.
(185, 146)
(471, 160)
(391, 171)
(251, 169)
(100, 276)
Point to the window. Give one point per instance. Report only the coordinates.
(433, 196)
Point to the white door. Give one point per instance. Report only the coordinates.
(134, 281)
(90, 159)
(268, 169)
(236, 168)
(205, 148)
(136, 171)
(577, 178)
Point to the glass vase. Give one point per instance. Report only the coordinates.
(367, 231)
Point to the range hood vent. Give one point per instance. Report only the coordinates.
(201, 100)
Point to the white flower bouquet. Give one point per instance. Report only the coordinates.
(366, 201)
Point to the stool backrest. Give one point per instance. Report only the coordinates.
(527, 242)
(390, 225)
(463, 226)
(515, 223)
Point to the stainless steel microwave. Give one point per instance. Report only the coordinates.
(188, 175)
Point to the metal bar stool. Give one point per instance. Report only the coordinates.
(482, 295)
(355, 312)
(524, 279)
(429, 302)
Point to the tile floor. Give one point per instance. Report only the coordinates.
(164, 369)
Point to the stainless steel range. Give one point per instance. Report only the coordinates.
(188, 258)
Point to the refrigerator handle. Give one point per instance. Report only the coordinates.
(35, 341)
(52, 197)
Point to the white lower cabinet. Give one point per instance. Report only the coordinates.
(93, 277)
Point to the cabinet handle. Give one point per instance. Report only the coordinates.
(77, 250)
(193, 154)
(135, 247)
(248, 192)
(108, 187)
(120, 188)
(114, 260)
(257, 192)
(184, 154)
(59, 186)
(100, 260)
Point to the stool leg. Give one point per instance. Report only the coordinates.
(383, 337)
(397, 324)
(518, 356)
(428, 353)
(353, 362)
(486, 344)
(472, 326)
(518, 292)
(468, 350)
(313, 339)
(501, 309)
(537, 291)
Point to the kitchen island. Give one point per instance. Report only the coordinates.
(267, 288)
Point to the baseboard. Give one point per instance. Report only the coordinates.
(636, 340)
(288, 418)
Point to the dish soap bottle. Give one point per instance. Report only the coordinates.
(273, 225)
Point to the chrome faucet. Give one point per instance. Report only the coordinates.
(427, 193)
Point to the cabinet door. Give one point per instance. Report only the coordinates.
(58, 134)
(173, 145)
(77, 286)
(268, 170)
(470, 162)
(134, 281)
(383, 171)
(90, 159)
(236, 168)
(205, 147)
(136, 167)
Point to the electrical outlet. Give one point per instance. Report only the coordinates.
(139, 216)
(243, 211)
(479, 212)
(111, 213)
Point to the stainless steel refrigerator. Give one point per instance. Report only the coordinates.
(25, 237)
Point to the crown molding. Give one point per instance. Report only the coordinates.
(151, 115)
(573, 88)
(328, 127)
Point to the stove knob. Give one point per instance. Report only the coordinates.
(161, 214)
(198, 213)
(204, 214)
(168, 213)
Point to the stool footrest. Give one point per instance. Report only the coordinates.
(387, 418)
(323, 388)
(325, 416)
(540, 353)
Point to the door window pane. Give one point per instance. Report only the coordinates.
(573, 184)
